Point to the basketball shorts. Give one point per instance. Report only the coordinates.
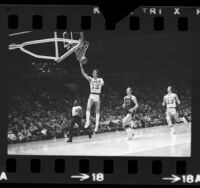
(171, 112)
(94, 98)
(127, 120)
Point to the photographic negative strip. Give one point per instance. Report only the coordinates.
(90, 102)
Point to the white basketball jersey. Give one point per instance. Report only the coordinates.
(170, 100)
(96, 85)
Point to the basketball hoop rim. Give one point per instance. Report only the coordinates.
(79, 43)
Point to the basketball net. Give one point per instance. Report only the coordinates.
(80, 52)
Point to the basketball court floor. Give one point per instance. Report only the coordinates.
(154, 141)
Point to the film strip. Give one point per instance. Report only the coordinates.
(36, 138)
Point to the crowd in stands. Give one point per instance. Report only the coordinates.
(39, 108)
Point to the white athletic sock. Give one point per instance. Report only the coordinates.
(172, 130)
(132, 132)
(170, 124)
(87, 118)
(128, 132)
(184, 120)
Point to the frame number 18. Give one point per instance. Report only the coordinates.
(98, 177)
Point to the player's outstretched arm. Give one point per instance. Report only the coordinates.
(136, 105)
(123, 105)
(102, 82)
(163, 101)
(84, 74)
(177, 99)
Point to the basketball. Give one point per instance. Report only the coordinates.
(83, 60)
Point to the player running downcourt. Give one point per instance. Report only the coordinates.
(130, 105)
(96, 84)
(171, 100)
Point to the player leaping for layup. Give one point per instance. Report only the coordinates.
(171, 100)
(94, 97)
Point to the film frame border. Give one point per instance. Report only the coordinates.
(154, 163)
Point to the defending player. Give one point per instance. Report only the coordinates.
(171, 100)
(96, 84)
(130, 105)
(76, 119)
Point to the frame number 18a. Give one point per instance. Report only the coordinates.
(191, 178)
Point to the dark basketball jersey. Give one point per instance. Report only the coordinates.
(129, 103)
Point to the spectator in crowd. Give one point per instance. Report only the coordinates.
(39, 108)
